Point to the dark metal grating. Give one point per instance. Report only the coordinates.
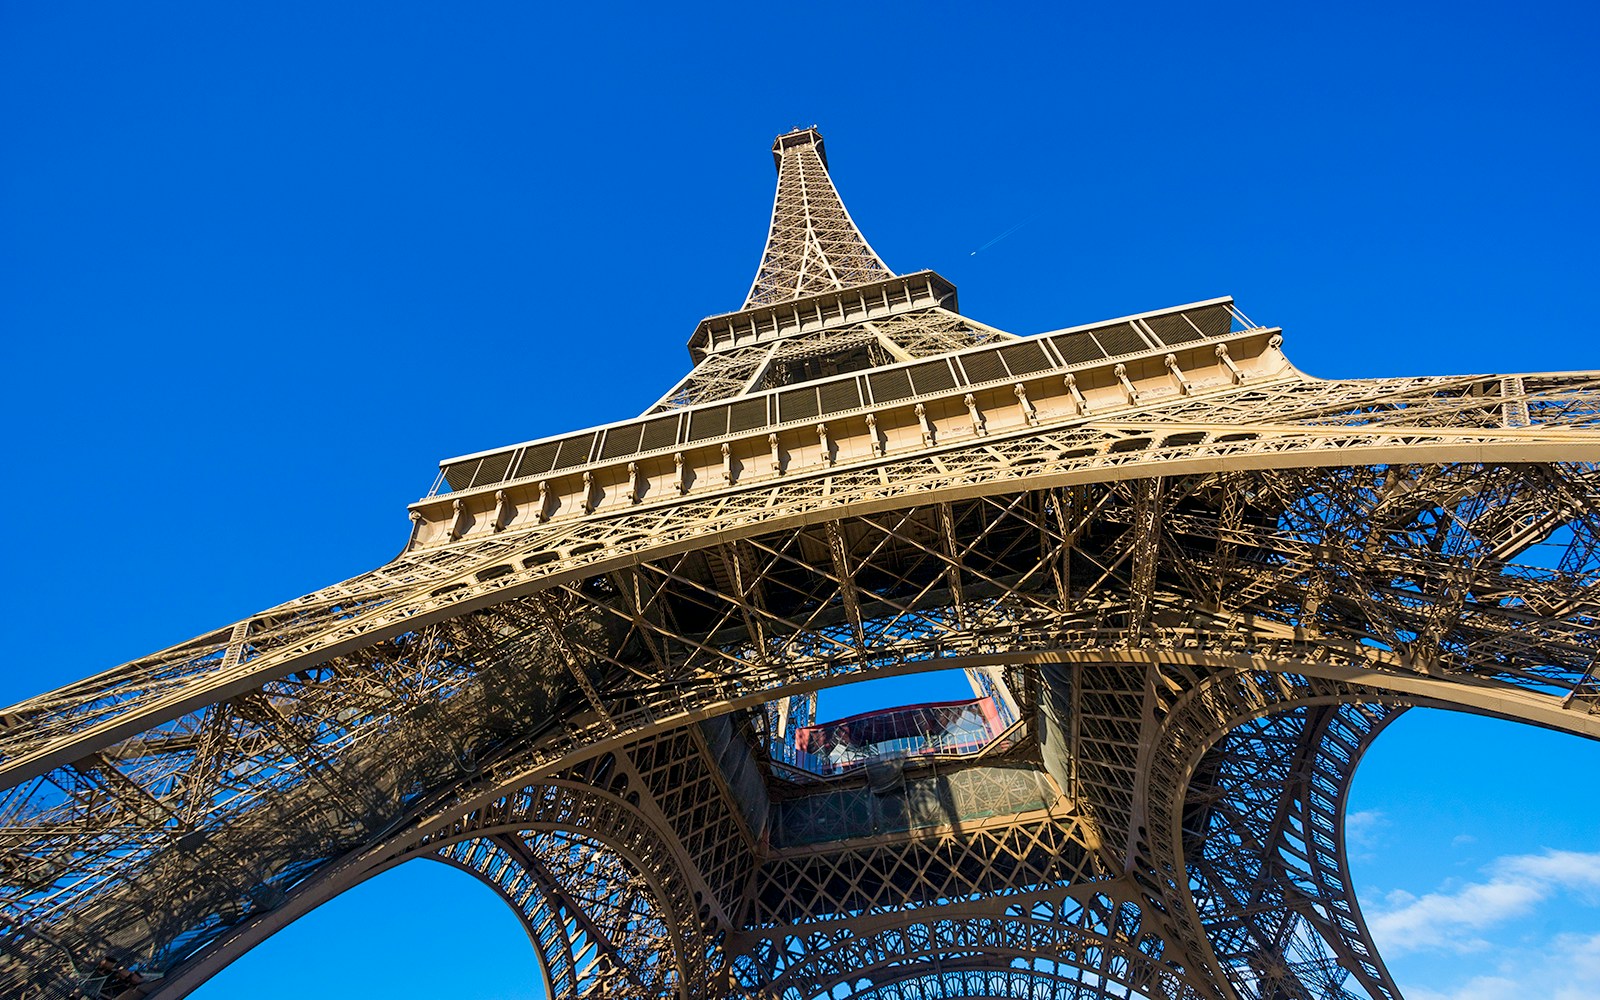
(1026, 358)
(574, 451)
(1077, 348)
(984, 367)
(1172, 329)
(747, 414)
(538, 459)
(1213, 321)
(660, 433)
(620, 441)
(935, 376)
(460, 474)
(797, 404)
(493, 468)
(889, 386)
(710, 423)
(840, 396)
(1121, 339)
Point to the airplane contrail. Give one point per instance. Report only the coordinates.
(1002, 236)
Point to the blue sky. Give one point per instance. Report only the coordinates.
(263, 265)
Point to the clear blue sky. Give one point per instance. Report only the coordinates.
(261, 266)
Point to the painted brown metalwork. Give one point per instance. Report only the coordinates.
(1202, 580)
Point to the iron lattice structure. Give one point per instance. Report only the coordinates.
(1206, 579)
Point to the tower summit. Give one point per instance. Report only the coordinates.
(813, 245)
(1187, 582)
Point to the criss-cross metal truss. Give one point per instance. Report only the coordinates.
(1207, 579)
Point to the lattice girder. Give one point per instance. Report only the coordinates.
(907, 547)
(596, 882)
(450, 582)
(589, 914)
(802, 357)
(1270, 857)
(1211, 577)
(1095, 943)
(971, 859)
(812, 243)
(1309, 940)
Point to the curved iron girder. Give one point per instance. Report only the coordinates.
(1206, 715)
(954, 981)
(1027, 629)
(511, 816)
(539, 912)
(480, 574)
(1089, 935)
(610, 820)
(685, 945)
(1479, 698)
(613, 942)
(228, 781)
(1267, 857)
(575, 813)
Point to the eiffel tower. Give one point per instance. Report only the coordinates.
(1188, 584)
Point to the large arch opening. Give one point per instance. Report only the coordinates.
(419, 929)
(1276, 861)
(1474, 848)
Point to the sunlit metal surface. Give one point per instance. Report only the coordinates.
(1199, 580)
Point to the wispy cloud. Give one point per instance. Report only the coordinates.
(1574, 871)
(1361, 828)
(1567, 969)
(1450, 919)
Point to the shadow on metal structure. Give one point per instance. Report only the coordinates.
(1200, 580)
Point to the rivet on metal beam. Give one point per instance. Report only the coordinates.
(1128, 390)
(1171, 361)
(978, 427)
(1077, 395)
(1030, 412)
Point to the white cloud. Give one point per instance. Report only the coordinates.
(1568, 969)
(1449, 918)
(1361, 828)
(1571, 870)
(1442, 919)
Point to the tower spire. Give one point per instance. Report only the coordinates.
(813, 244)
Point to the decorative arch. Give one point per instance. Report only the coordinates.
(593, 918)
(530, 845)
(954, 981)
(1103, 944)
(1313, 934)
